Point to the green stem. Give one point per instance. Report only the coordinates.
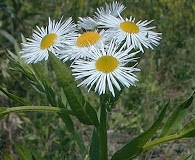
(102, 132)
(160, 141)
(38, 108)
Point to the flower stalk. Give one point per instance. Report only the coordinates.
(102, 131)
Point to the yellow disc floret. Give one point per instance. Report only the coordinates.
(129, 27)
(48, 40)
(106, 64)
(87, 39)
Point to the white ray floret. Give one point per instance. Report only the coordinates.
(129, 32)
(80, 46)
(106, 69)
(114, 9)
(154, 38)
(49, 39)
(89, 23)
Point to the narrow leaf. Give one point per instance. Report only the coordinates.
(6, 156)
(190, 157)
(35, 153)
(135, 147)
(50, 94)
(23, 151)
(188, 130)
(10, 38)
(2, 112)
(94, 152)
(175, 120)
(15, 98)
(82, 109)
(68, 121)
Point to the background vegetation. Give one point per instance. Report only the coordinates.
(168, 72)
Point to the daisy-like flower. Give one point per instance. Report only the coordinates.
(130, 32)
(114, 9)
(80, 46)
(50, 39)
(106, 69)
(89, 23)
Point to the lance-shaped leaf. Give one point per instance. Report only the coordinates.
(190, 157)
(70, 125)
(50, 94)
(10, 38)
(188, 130)
(2, 112)
(135, 147)
(175, 120)
(94, 151)
(6, 156)
(15, 98)
(23, 151)
(35, 153)
(82, 109)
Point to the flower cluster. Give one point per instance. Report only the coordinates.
(102, 53)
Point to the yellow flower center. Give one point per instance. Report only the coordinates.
(106, 64)
(48, 40)
(87, 39)
(129, 27)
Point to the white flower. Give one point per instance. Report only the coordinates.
(114, 9)
(106, 69)
(80, 46)
(129, 32)
(49, 39)
(89, 23)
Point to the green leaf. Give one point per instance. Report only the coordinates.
(50, 94)
(2, 112)
(10, 38)
(15, 98)
(35, 154)
(6, 156)
(188, 130)
(190, 157)
(82, 109)
(62, 101)
(68, 121)
(34, 72)
(23, 151)
(94, 151)
(175, 120)
(135, 147)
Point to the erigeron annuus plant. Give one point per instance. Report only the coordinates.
(104, 59)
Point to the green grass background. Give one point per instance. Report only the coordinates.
(168, 72)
